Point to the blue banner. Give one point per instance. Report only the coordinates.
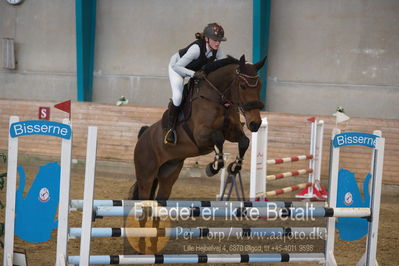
(355, 138)
(40, 127)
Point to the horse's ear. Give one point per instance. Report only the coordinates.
(260, 64)
(242, 61)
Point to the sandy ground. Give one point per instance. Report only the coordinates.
(113, 181)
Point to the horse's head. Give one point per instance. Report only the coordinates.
(248, 92)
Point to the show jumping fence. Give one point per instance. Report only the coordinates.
(259, 165)
(92, 208)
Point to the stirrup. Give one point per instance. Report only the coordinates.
(173, 132)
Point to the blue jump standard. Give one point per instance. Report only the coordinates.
(199, 258)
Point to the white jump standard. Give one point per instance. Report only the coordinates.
(259, 164)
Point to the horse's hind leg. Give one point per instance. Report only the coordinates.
(146, 173)
(167, 179)
(144, 188)
(218, 163)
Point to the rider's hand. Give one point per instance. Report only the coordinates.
(199, 74)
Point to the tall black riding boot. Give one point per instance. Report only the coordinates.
(171, 135)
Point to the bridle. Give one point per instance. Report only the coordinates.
(227, 102)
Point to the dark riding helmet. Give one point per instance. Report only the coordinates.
(215, 32)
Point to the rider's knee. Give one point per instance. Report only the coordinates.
(176, 99)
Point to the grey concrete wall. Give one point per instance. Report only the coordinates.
(134, 42)
(329, 53)
(44, 34)
(321, 53)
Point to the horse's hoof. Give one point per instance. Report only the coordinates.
(210, 171)
(233, 168)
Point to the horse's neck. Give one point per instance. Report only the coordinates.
(222, 78)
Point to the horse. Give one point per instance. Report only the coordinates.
(230, 87)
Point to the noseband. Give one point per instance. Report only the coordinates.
(242, 106)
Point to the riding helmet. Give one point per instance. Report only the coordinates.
(215, 32)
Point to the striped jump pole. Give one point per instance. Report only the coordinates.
(199, 258)
(288, 174)
(287, 189)
(198, 232)
(247, 212)
(78, 204)
(290, 159)
(259, 163)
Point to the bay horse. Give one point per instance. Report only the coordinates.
(231, 87)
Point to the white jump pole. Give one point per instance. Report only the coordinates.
(258, 170)
(370, 255)
(11, 197)
(63, 204)
(332, 200)
(316, 149)
(88, 196)
(222, 176)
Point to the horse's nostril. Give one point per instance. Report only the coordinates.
(254, 126)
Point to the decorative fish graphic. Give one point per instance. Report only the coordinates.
(35, 213)
(348, 196)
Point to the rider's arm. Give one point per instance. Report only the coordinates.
(180, 67)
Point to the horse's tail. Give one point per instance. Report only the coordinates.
(142, 130)
(134, 191)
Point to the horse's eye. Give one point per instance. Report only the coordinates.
(242, 86)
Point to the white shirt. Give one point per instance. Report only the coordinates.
(192, 53)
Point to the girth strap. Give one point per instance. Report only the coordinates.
(189, 132)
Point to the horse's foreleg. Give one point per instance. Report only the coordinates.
(243, 144)
(218, 163)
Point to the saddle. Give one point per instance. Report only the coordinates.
(185, 110)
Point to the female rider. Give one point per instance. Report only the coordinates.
(187, 63)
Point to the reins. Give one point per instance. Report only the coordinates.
(224, 101)
(222, 94)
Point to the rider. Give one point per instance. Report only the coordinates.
(187, 63)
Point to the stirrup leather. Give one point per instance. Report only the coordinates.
(168, 133)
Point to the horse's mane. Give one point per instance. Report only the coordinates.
(215, 65)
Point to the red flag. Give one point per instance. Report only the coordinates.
(311, 119)
(64, 106)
